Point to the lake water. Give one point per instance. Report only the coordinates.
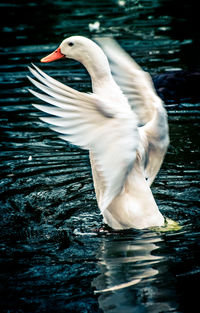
(52, 259)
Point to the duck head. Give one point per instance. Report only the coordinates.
(75, 47)
(71, 47)
(84, 51)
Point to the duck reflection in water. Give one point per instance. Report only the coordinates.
(133, 275)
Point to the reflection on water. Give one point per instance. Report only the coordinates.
(145, 271)
(50, 254)
(132, 273)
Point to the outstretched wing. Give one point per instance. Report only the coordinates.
(87, 121)
(135, 83)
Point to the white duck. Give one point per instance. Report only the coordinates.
(123, 124)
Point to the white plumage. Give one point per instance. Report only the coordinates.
(122, 123)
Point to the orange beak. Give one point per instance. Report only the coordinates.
(56, 55)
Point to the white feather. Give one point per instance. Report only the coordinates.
(134, 82)
(125, 132)
(88, 121)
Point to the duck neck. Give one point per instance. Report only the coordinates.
(98, 68)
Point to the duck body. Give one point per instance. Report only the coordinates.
(135, 206)
(123, 124)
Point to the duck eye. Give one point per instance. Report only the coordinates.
(70, 44)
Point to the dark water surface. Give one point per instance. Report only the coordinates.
(52, 260)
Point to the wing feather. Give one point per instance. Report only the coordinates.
(135, 83)
(109, 131)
